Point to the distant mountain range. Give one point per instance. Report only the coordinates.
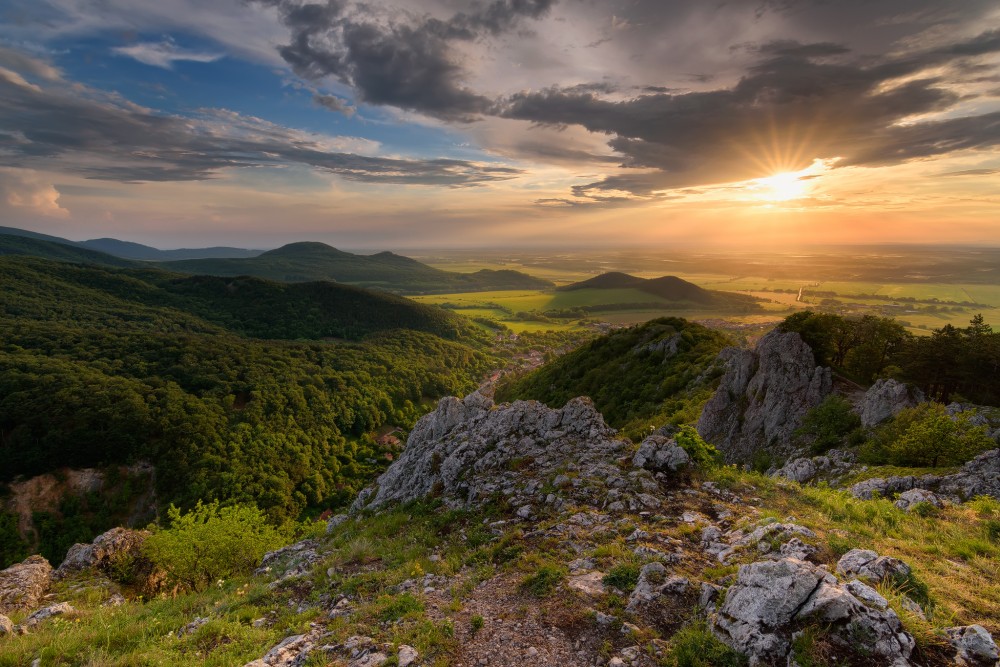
(668, 288)
(129, 250)
(295, 262)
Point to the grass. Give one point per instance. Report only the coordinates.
(954, 553)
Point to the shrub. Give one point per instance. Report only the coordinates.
(545, 580)
(926, 436)
(829, 423)
(701, 452)
(211, 543)
(696, 646)
(624, 577)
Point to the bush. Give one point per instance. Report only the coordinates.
(210, 543)
(544, 581)
(926, 436)
(695, 646)
(829, 423)
(624, 577)
(701, 452)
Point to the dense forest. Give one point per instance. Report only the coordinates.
(655, 373)
(951, 364)
(101, 366)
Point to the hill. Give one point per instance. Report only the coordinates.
(222, 384)
(620, 289)
(653, 373)
(40, 246)
(310, 261)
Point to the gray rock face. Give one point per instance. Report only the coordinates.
(834, 463)
(22, 585)
(762, 397)
(6, 626)
(661, 454)
(468, 450)
(978, 477)
(868, 565)
(292, 561)
(101, 553)
(47, 613)
(772, 599)
(885, 399)
(651, 577)
(974, 646)
(908, 500)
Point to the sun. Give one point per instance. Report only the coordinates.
(782, 187)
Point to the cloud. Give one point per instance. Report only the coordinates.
(334, 103)
(12, 60)
(164, 54)
(791, 107)
(103, 136)
(395, 59)
(27, 191)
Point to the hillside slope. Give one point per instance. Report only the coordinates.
(309, 261)
(668, 289)
(649, 374)
(129, 250)
(26, 246)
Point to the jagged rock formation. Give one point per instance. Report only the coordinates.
(468, 450)
(22, 585)
(974, 646)
(868, 565)
(762, 397)
(978, 477)
(771, 600)
(886, 399)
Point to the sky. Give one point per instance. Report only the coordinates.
(502, 123)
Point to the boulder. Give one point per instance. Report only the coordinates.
(884, 400)
(103, 551)
(651, 577)
(978, 477)
(661, 454)
(868, 565)
(47, 613)
(908, 500)
(762, 397)
(834, 463)
(22, 585)
(294, 560)
(974, 646)
(6, 626)
(771, 600)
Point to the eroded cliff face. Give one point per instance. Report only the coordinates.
(762, 398)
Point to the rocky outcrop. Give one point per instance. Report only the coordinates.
(833, 464)
(469, 450)
(868, 565)
(974, 646)
(884, 400)
(910, 500)
(771, 600)
(47, 613)
(762, 397)
(292, 561)
(6, 626)
(102, 553)
(978, 477)
(22, 585)
(661, 454)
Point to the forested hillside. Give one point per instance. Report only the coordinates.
(102, 366)
(651, 374)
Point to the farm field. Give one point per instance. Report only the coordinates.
(921, 304)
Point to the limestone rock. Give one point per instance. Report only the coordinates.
(661, 454)
(884, 400)
(103, 551)
(974, 646)
(6, 626)
(47, 613)
(23, 584)
(772, 599)
(290, 652)
(834, 463)
(406, 656)
(978, 477)
(468, 450)
(762, 397)
(292, 561)
(868, 565)
(909, 499)
(651, 577)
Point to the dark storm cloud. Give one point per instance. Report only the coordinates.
(793, 106)
(400, 61)
(334, 103)
(107, 138)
